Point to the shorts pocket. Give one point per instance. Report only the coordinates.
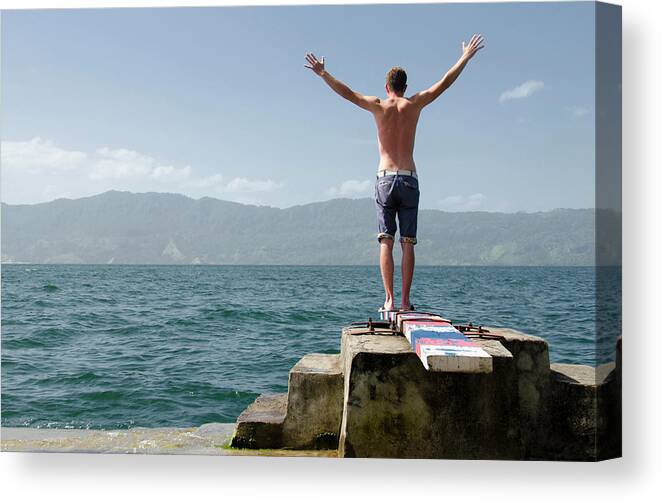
(383, 187)
(411, 184)
(409, 193)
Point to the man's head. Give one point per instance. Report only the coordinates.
(396, 81)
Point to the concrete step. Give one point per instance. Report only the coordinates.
(307, 417)
(314, 408)
(260, 425)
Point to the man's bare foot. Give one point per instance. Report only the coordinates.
(405, 306)
(389, 304)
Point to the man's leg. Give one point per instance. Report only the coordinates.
(408, 226)
(408, 263)
(386, 214)
(387, 271)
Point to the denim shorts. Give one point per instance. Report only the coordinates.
(398, 196)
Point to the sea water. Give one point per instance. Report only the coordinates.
(117, 346)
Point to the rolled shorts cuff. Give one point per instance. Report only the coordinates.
(381, 236)
(408, 240)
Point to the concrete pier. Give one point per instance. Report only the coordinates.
(375, 399)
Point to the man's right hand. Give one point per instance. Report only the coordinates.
(315, 65)
(473, 46)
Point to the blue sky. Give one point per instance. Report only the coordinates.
(216, 102)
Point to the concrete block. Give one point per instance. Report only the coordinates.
(584, 423)
(573, 413)
(531, 357)
(314, 408)
(260, 425)
(393, 407)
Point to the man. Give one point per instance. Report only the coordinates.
(396, 191)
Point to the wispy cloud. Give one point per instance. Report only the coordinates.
(121, 163)
(526, 89)
(39, 170)
(351, 188)
(245, 185)
(213, 180)
(457, 203)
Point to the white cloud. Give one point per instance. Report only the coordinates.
(38, 170)
(167, 172)
(245, 185)
(526, 89)
(578, 111)
(236, 185)
(121, 163)
(206, 181)
(351, 188)
(39, 154)
(457, 203)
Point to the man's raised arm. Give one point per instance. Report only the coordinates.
(369, 103)
(425, 97)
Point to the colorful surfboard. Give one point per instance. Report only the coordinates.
(440, 347)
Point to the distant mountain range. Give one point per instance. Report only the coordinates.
(160, 228)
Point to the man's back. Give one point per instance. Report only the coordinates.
(396, 121)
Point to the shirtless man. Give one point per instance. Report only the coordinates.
(396, 190)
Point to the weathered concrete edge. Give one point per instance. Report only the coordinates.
(210, 439)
